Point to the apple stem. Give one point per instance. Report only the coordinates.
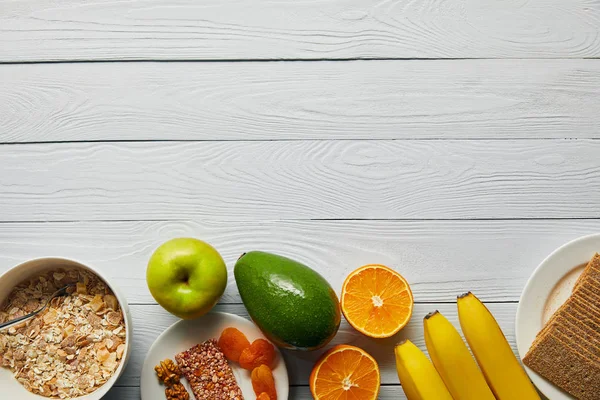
(243, 254)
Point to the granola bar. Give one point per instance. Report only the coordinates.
(208, 373)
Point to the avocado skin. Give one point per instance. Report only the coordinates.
(292, 304)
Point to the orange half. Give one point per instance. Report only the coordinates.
(345, 373)
(377, 301)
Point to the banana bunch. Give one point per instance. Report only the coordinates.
(454, 373)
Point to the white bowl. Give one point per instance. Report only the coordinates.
(9, 387)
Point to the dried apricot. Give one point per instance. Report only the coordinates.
(260, 352)
(263, 396)
(263, 382)
(232, 342)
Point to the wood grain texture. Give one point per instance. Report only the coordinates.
(299, 364)
(300, 180)
(323, 100)
(315, 29)
(440, 259)
(296, 393)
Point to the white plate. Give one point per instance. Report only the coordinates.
(547, 289)
(187, 333)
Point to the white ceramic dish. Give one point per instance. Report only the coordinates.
(185, 334)
(547, 289)
(9, 387)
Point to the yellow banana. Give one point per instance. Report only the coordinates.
(501, 369)
(417, 374)
(453, 361)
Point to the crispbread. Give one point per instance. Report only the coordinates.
(592, 267)
(567, 349)
(585, 307)
(591, 281)
(577, 338)
(584, 293)
(591, 285)
(573, 336)
(555, 361)
(576, 317)
(579, 351)
(595, 286)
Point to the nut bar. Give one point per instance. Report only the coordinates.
(208, 373)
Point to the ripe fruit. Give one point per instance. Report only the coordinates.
(186, 277)
(418, 376)
(263, 382)
(345, 372)
(453, 360)
(260, 352)
(292, 304)
(501, 369)
(232, 342)
(377, 301)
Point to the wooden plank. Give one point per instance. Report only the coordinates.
(300, 180)
(299, 364)
(123, 393)
(296, 393)
(316, 29)
(440, 259)
(325, 100)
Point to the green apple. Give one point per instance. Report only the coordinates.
(186, 277)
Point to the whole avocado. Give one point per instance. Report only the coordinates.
(292, 304)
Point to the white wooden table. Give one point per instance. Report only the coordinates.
(454, 140)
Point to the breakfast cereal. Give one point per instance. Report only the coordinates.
(71, 348)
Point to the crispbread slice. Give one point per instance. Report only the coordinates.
(578, 351)
(591, 281)
(573, 336)
(582, 320)
(550, 322)
(558, 363)
(591, 270)
(594, 263)
(547, 327)
(579, 321)
(592, 292)
(591, 284)
(590, 276)
(577, 338)
(585, 307)
(592, 299)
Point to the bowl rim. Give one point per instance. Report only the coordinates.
(101, 391)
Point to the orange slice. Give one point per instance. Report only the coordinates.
(377, 301)
(345, 373)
